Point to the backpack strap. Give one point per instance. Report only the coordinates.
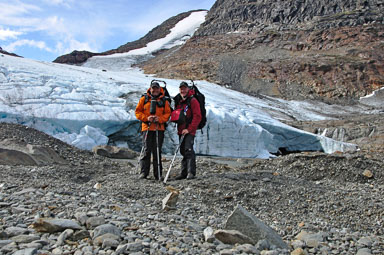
(189, 120)
(163, 99)
(146, 98)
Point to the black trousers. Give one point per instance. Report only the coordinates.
(150, 147)
(188, 164)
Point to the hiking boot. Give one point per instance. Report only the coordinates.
(180, 177)
(142, 176)
(190, 176)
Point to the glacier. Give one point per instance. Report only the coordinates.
(85, 107)
(94, 104)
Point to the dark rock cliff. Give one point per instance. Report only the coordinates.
(297, 49)
(8, 53)
(255, 15)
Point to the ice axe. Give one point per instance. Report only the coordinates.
(170, 166)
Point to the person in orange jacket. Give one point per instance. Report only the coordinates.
(153, 118)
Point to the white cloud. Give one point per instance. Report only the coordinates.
(75, 45)
(8, 34)
(65, 3)
(37, 44)
(67, 25)
(61, 47)
(16, 8)
(14, 13)
(70, 45)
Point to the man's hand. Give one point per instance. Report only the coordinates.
(153, 118)
(184, 132)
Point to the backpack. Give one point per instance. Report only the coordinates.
(201, 99)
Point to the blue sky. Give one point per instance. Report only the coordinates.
(46, 29)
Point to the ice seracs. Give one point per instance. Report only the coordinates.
(83, 106)
(86, 106)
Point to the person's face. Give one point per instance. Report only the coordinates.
(155, 91)
(184, 91)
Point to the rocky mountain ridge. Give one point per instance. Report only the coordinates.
(8, 53)
(324, 50)
(257, 15)
(78, 57)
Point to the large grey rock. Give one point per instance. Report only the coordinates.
(364, 251)
(25, 238)
(114, 152)
(248, 224)
(28, 251)
(19, 153)
(54, 225)
(15, 231)
(4, 243)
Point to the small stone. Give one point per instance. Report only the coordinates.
(208, 235)
(367, 173)
(93, 222)
(312, 243)
(169, 202)
(298, 251)
(248, 248)
(232, 237)
(226, 252)
(297, 244)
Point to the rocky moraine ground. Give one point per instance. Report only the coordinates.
(318, 203)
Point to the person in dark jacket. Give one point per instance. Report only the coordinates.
(191, 107)
(154, 124)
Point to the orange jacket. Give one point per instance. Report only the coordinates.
(142, 112)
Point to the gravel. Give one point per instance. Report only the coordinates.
(318, 203)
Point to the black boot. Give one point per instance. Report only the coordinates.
(143, 176)
(180, 177)
(190, 176)
(191, 166)
(184, 170)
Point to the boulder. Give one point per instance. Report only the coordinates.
(54, 225)
(243, 221)
(114, 152)
(18, 153)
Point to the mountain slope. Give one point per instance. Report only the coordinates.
(8, 53)
(324, 50)
(78, 57)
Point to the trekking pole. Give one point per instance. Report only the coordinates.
(170, 166)
(158, 152)
(142, 147)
